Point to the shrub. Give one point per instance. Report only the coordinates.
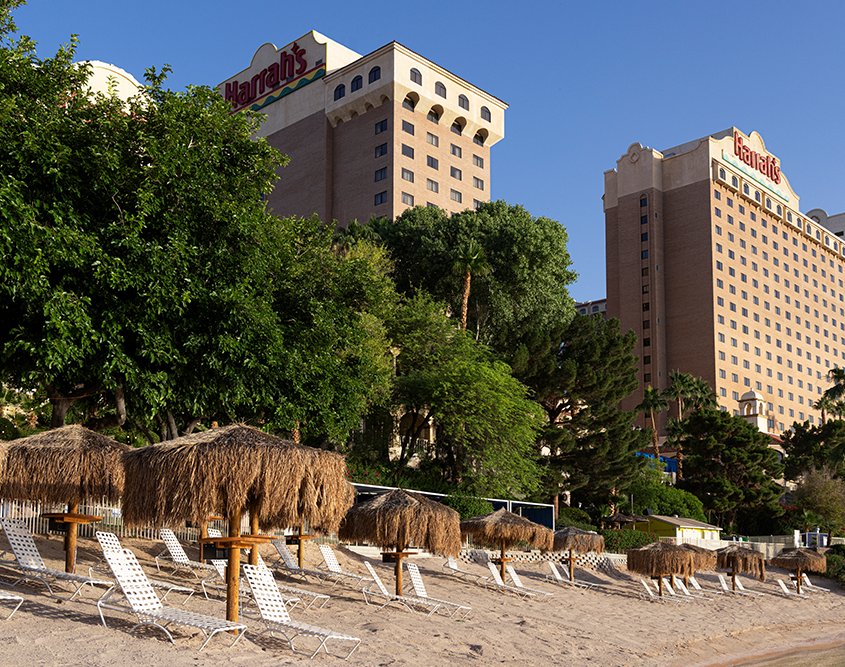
(573, 516)
(466, 505)
(619, 541)
(835, 567)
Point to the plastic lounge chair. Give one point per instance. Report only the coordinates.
(451, 567)
(681, 586)
(668, 588)
(652, 597)
(450, 608)
(335, 572)
(29, 562)
(699, 589)
(298, 592)
(11, 597)
(217, 582)
(407, 601)
(289, 565)
(110, 541)
(791, 594)
(495, 581)
(276, 618)
(556, 578)
(178, 558)
(149, 610)
(479, 556)
(746, 591)
(810, 587)
(542, 595)
(730, 591)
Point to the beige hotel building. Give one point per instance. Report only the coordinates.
(713, 265)
(368, 134)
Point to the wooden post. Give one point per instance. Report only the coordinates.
(253, 529)
(234, 570)
(571, 567)
(301, 553)
(70, 539)
(203, 535)
(660, 585)
(798, 581)
(503, 562)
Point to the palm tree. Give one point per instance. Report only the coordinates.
(825, 405)
(471, 260)
(653, 401)
(680, 388)
(701, 396)
(837, 377)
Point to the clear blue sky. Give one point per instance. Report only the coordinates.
(584, 80)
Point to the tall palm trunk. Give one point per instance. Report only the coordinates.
(465, 303)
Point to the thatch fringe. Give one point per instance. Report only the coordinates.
(702, 559)
(402, 518)
(70, 464)
(236, 468)
(577, 540)
(740, 559)
(505, 528)
(660, 559)
(803, 559)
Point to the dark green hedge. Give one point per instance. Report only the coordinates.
(619, 541)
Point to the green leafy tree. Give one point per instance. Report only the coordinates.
(819, 446)
(821, 496)
(837, 391)
(731, 467)
(649, 491)
(471, 261)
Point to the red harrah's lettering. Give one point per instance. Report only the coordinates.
(765, 164)
(289, 65)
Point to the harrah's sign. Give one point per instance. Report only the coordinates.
(289, 65)
(765, 164)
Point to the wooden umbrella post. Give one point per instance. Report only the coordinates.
(504, 561)
(203, 535)
(234, 570)
(300, 555)
(571, 566)
(70, 539)
(253, 530)
(660, 585)
(798, 581)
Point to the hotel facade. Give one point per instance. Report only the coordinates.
(368, 135)
(714, 267)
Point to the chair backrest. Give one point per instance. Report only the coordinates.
(723, 583)
(554, 570)
(480, 556)
(416, 580)
(330, 558)
(220, 565)
(694, 583)
(680, 584)
(214, 532)
(287, 556)
(452, 564)
(739, 584)
(495, 574)
(667, 586)
(177, 553)
(261, 562)
(783, 587)
(376, 579)
(647, 587)
(133, 581)
(266, 594)
(108, 541)
(23, 546)
(514, 576)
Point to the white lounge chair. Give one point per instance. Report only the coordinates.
(542, 595)
(495, 582)
(668, 588)
(451, 609)
(110, 541)
(290, 567)
(742, 588)
(410, 603)
(708, 591)
(652, 597)
(730, 591)
(451, 567)
(336, 573)
(299, 592)
(681, 586)
(556, 578)
(149, 610)
(276, 618)
(29, 562)
(791, 594)
(809, 587)
(178, 558)
(11, 597)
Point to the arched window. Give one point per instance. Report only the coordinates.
(440, 89)
(357, 83)
(478, 139)
(457, 128)
(433, 116)
(375, 74)
(416, 77)
(409, 103)
(721, 173)
(339, 92)
(485, 114)
(734, 181)
(643, 201)
(463, 102)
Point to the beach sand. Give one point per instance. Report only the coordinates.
(610, 627)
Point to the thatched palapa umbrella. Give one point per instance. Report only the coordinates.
(231, 470)
(660, 559)
(800, 559)
(399, 519)
(70, 465)
(507, 529)
(702, 559)
(577, 541)
(738, 559)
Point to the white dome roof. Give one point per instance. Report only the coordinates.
(751, 396)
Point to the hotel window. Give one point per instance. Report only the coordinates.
(457, 128)
(407, 199)
(407, 151)
(722, 174)
(454, 195)
(478, 183)
(646, 377)
(433, 116)
(646, 342)
(476, 204)
(645, 289)
(456, 173)
(432, 185)
(644, 237)
(463, 102)
(339, 92)
(647, 360)
(644, 254)
(643, 219)
(381, 174)
(375, 74)
(381, 126)
(757, 195)
(357, 83)
(643, 201)
(646, 324)
(416, 77)
(381, 198)
(455, 150)
(440, 89)
(645, 307)
(381, 150)
(734, 181)
(432, 139)
(408, 176)
(746, 189)
(432, 162)
(407, 127)
(409, 103)
(478, 161)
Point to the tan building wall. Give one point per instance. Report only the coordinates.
(741, 288)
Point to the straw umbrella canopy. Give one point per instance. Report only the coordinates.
(702, 559)
(660, 559)
(618, 519)
(801, 560)
(507, 529)
(69, 465)
(399, 519)
(576, 541)
(738, 559)
(231, 470)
